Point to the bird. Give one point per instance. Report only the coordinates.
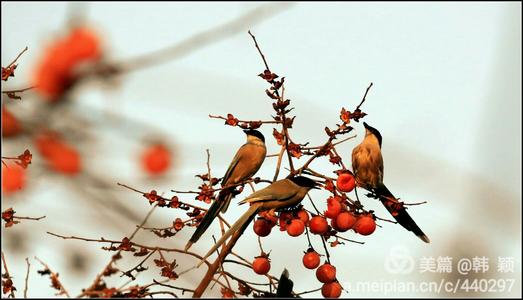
(284, 193)
(285, 286)
(367, 165)
(244, 165)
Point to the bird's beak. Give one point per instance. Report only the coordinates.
(366, 125)
(246, 131)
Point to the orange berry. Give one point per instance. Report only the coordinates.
(318, 225)
(334, 225)
(296, 227)
(333, 207)
(60, 156)
(365, 225)
(83, 44)
(326, 273)
(261, 265)
(13, 178)
(311, 260)
(66, 160)
(345, 221)
(331, 290)
(284, 217)
(345, 182)
(156, 159)
(227, 293)
(303, 215)
(55, 72)
(10, 124)
(262, 227)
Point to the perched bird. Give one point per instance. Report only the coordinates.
(245, 164)
(280, 194)
(367, 165)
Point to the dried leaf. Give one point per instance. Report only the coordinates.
(345, 116)
(278, 136)
(294, 150)
(8, 72)
(268, 75)
(231, 120)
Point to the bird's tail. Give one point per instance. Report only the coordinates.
(400, 213)
(239, 225)
(225, 196)
(207, 220)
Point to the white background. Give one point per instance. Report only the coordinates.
(446, 98)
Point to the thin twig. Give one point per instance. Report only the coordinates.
(27, 277)
(17, 57)
(364, 96)
(54, 279)
(242, 121)
(173, 287)
(29, 218)
(18, 90)
(278, 164)
(129, 272)
(416, 203)
(349, 240)
(6, 275)
(114, 257)
(333, 144)
(183, 203)
(308, 292)
(259, 51)
(313, 205)
(326, 250)
(260, 244)
(102, 240)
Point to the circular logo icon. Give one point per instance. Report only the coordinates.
(399, 261)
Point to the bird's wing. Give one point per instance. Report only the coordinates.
(355, 161)
(232, 165)
(380, 165)
(279, 190)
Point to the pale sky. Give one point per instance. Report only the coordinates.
(446, 98)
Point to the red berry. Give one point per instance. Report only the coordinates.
(295, 228)
(334, 225)
(60, 156)
(311, 260)
(13, 178)
(10, 125)
(261, 265)
(333, 207)
(55, 72)
(46, 143)
(227, 293)
(262, 227)
(345, 182)
(284, 217)
(326, 273)
(318, 225)
(345, 221)
(83, 44)
(365, 225)
(303, 215)
(331, 290)
(156, 159)
(66, 160)
(271, 218)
